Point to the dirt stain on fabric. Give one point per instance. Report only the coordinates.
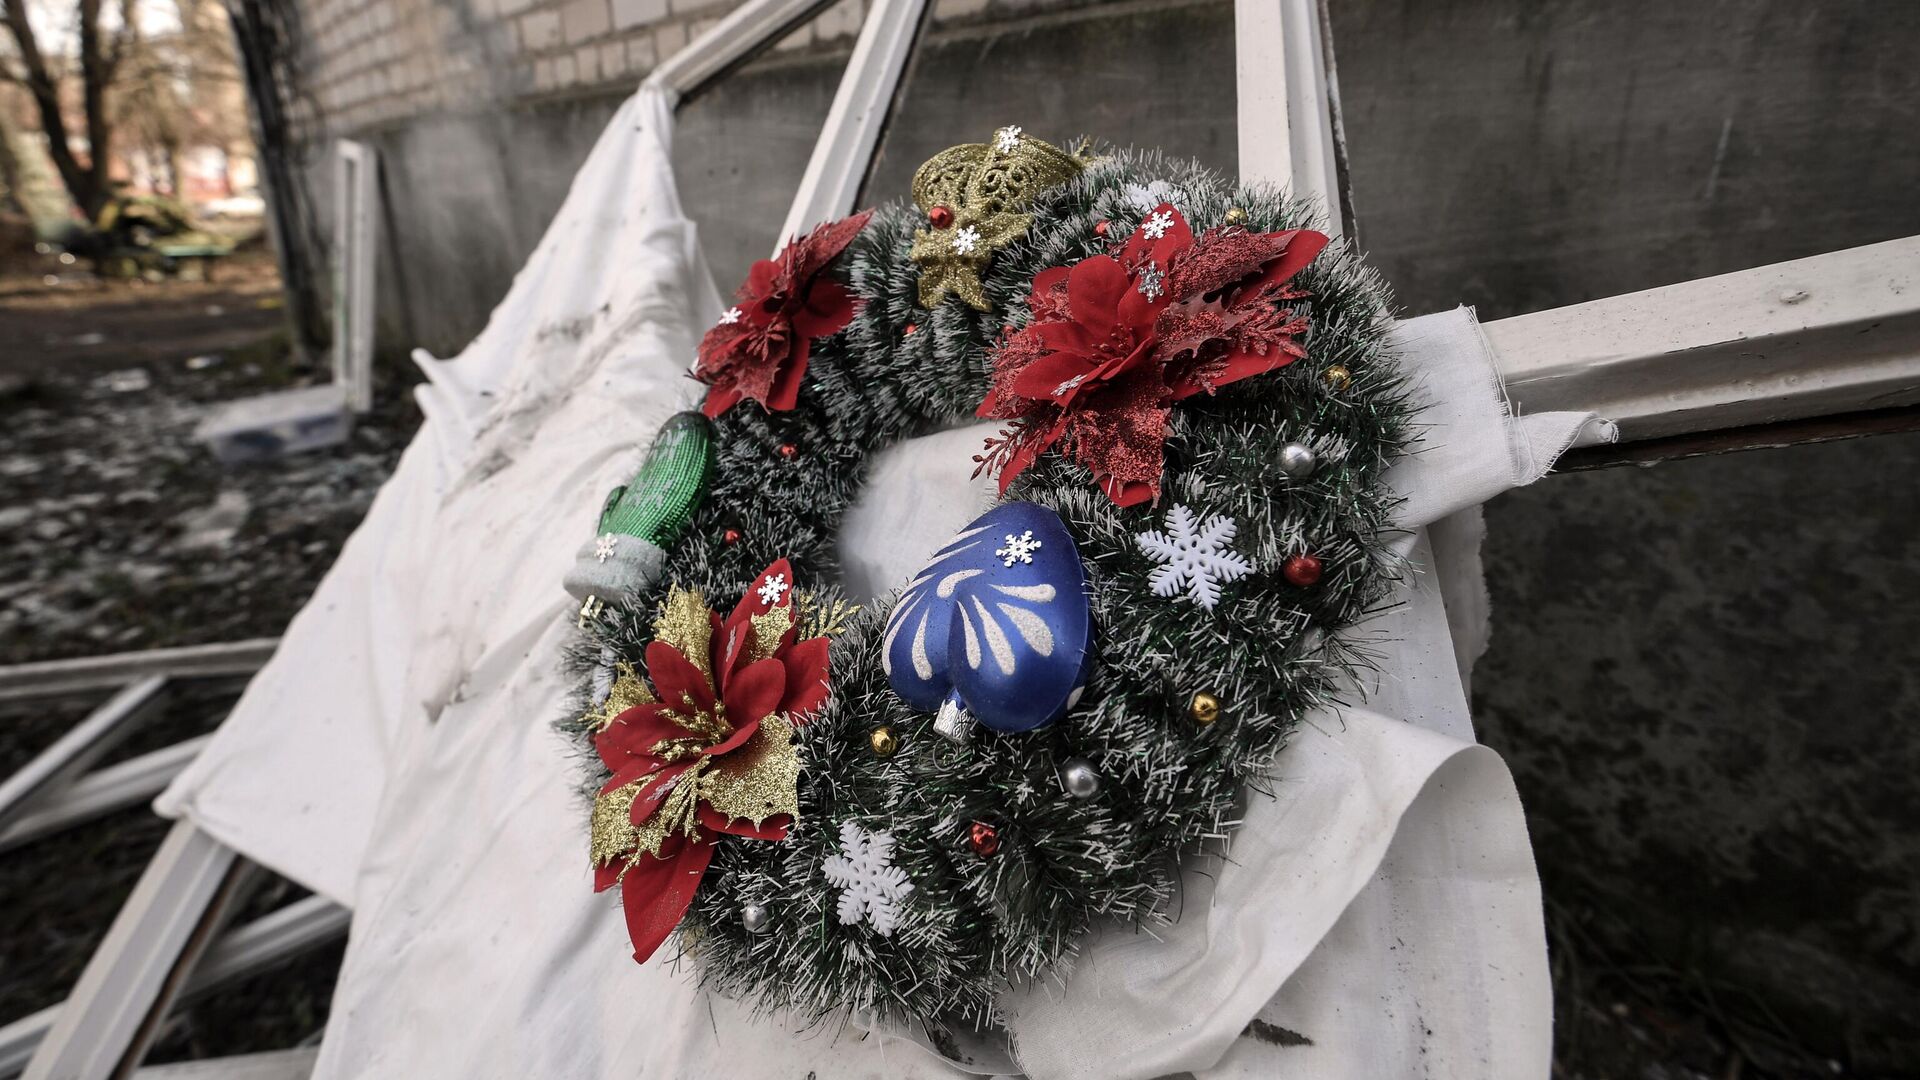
(1275, 1034)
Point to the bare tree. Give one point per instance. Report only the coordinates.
(99, 56)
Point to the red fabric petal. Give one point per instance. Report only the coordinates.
(1047, 374)
(805, 663)
(987, 405)
(1237, 365)
(1301, 249)
(719, 400)
(656, 892)
(1141, 248)
(731, 645)
(826, 242)
(1067, 337)
(784, 394)
(655, 791)
(751, 604)
(753, 692)
(763, 277)
(1175, 241)
(1094, 289)
(606, 877)
(1045, 282)
(1128, 492)
(679, 685)
(630, 739)
(637, 769)
(829, 308)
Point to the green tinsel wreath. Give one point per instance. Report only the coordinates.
(1270, 651)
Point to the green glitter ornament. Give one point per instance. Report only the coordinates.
(641, 518)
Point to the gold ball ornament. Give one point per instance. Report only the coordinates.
(883, 742)
(1337, 377)
(1204, 708)
(1236, 216)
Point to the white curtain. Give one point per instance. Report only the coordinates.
(1379, 912)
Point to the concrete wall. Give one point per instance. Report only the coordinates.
(1703, 674)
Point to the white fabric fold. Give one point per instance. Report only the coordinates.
(396, 755)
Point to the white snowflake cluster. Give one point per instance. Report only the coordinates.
(1019, 548)
(773, 588)
(1007, 139)
(1156, 226)
(730, 316)
(871, 887)
(603, 547)
(965, 239)
(1144, 197)
(1194, 555)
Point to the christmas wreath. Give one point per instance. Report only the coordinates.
(904, 809)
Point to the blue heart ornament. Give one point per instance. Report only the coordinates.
(997, 623)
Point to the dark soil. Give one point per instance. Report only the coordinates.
(119, 532)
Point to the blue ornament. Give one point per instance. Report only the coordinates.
(997, 627)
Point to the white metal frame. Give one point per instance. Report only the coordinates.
(1835, 334)
(355, 194)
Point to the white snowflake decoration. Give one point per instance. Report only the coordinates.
(1007, 139)
(771, 589)
(603, 548)
(1156, 226)
(730, 316)
(1153, 282)
(965, 240)
(1019, 548)
(1144, 197)
(871, 887)
(1063, 388)
(1194, 555)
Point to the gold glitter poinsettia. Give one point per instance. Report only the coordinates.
(708, 750)
(975, 197)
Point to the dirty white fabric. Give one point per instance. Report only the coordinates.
(1380, 910)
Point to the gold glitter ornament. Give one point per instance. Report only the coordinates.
(883, 741)
(1204, 708)
(685, 623)
(759, 780)
(613, 831)
(1337, 377)
(976, 195)
(768, 630)
(1236, 216)
(818, 618)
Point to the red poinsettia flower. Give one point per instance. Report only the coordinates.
(709, 750)
(1116, 339)
(759, 349)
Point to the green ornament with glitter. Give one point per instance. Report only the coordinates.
(642, 517)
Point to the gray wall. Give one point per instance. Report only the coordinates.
(1703, 674)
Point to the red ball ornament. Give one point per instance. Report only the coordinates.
(1102, 229)
(908, 332)
(1301, 570)
(787, 450)
(984, 838)
(730, 537)
(940, 217)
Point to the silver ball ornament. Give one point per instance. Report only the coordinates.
(1298, 460)
(755, 918)
(1078, 777)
